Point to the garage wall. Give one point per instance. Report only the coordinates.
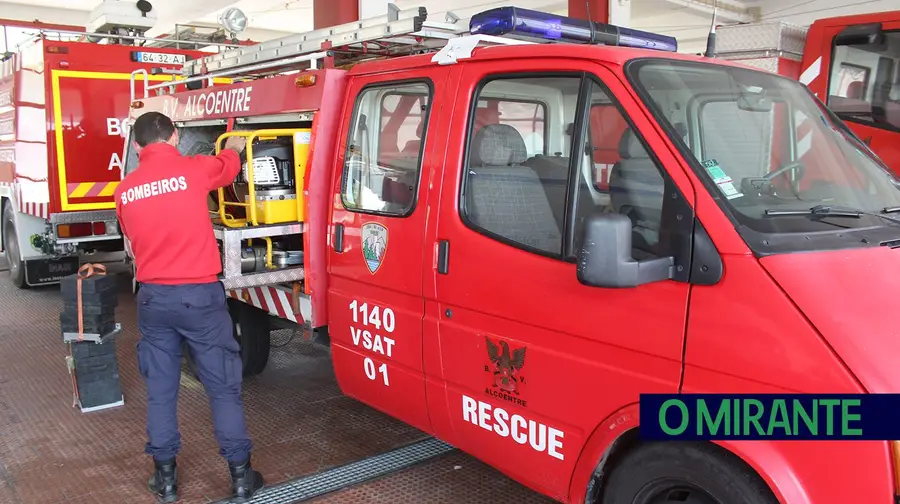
(804, 13)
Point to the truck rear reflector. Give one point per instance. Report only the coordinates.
(82, 229)
(74, 230)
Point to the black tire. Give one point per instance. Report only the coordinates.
(11, 246)
(135, 286)
(684, 473)
(251, 330)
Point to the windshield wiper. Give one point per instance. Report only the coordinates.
(836, 211)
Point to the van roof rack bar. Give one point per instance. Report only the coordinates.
(310, 58)
(149, 41)
(398, 33)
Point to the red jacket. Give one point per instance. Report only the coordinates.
(163, 211)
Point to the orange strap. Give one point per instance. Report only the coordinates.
(85, 271)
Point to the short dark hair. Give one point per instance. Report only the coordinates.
(152, 127)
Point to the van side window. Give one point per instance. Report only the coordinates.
(618, 175)
(526, 116)
(513, 191)
(384, 151)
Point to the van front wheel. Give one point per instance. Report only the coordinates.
(683, 473)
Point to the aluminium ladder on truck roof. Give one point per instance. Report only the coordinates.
(402, 33)
(399, 33)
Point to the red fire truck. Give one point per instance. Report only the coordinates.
(62, 104)
(852, 63)
(506, 239)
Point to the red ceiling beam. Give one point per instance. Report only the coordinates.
(39, 25)
(594, 10)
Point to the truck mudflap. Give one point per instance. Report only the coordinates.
(50, 271)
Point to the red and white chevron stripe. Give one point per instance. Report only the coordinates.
(275, 300)
(804, 133)
(41, 210)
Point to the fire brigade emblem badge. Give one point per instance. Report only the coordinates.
(507, 365)
(374, 244)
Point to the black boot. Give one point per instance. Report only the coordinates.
(164, 481)
(244, 481)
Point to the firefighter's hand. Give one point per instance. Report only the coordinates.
(236, 144)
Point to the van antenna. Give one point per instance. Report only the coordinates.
(587, 11)
(711, 38)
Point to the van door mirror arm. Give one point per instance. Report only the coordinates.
(605, 259)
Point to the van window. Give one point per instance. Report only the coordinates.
(735, 137)
(769, 155)
(864, 85)
(524, 199)
(401, 126)
(527, 117)
(633, 185)
(510, 193)
(383, 158)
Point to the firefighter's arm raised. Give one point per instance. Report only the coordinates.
(222, 169)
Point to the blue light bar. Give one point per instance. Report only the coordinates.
(514, 21)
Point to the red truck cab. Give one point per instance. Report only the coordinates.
(509, 244)
(62, 106)
(853, 64)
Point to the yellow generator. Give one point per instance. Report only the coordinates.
(273, 170)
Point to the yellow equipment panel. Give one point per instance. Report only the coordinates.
(270, 209)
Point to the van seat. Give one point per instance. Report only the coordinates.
(503, 196)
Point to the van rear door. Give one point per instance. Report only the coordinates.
(377, 250)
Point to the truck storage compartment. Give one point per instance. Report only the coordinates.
(272, 177)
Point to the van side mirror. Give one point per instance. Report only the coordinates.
(605, 257)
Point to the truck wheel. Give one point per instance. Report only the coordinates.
(135, 286)
(11, 245)
(252, 330)
(683, 473)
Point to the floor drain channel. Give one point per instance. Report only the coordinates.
(354, 473)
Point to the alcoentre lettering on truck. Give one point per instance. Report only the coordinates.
(506, 242)
(226, 101)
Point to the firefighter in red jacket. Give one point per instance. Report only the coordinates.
(163, 214)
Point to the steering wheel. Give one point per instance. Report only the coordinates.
(796, 166)
(763, 185)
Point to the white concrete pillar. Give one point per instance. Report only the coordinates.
(620, 13)
(373, 8)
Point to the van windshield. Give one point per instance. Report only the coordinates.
(765, 147)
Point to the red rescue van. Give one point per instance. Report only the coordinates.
(507, 241)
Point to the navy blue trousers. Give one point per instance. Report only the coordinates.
(167, 316)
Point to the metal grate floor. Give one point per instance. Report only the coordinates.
(354, 473)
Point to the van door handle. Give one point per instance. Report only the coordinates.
(443, 265)
(339, 238)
